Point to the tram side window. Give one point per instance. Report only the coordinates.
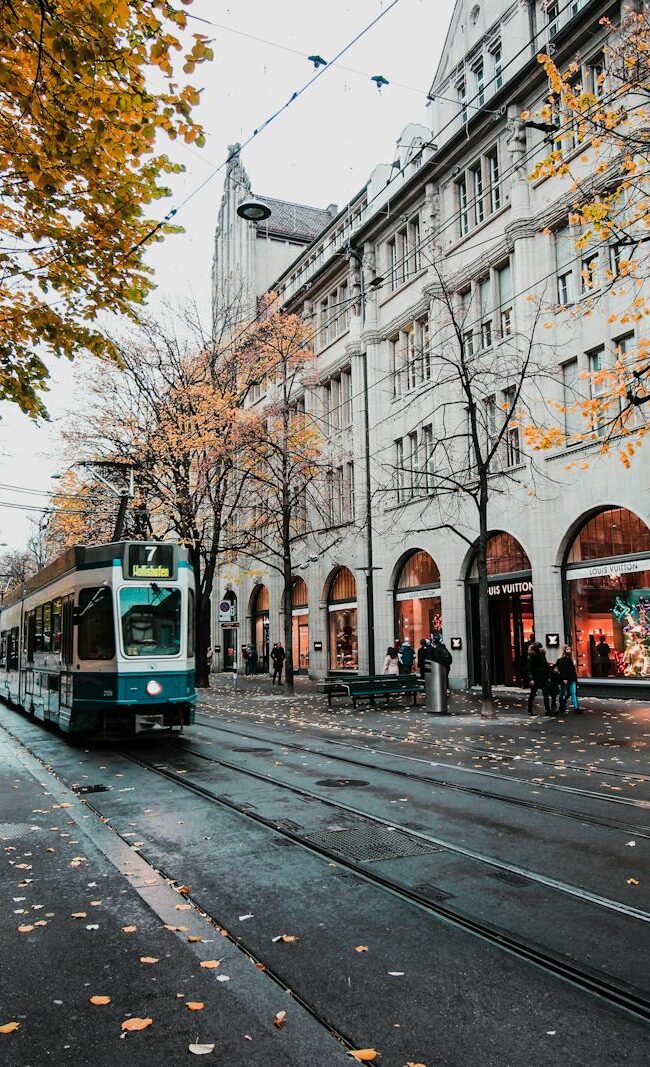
(47, 627)
(30, 636)
(96, 632)
(191, 623)
(12, 651)
(38, 639)
(66, 641)
(57, 610)
(3, 649)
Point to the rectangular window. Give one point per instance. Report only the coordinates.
(504, 288)
(414, 245)
(495, 178)
(396, 365)
(486, 312)
(463, 206)
(57, 610)
(344, 307)
(329, 497)
(339, 490)
(346, 398)
(598, 386)
(479, 206)
(468, 343)
(427, 459)
(423, 351)
(589, 273)
(412, 479)
(348, 492)
(410, 357)
(570, 396)
(497, 70)
(95, 629)
(47, 627)
(596, 76)
(399, 469)
(565, 252)
(335, 394)
(327, 408)
(38, 632)
(462, 100)
(480, 83)
(323, 323)
(512, 439)
(150, 620)
(191, 622)
(553, 16)
(491, 423)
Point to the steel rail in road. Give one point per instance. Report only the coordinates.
(569, 765)
(610, 824)
(614, 993)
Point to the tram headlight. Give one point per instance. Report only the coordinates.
(154, 688)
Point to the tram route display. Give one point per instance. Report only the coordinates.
(95, 645)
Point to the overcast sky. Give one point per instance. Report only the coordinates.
(320, 150)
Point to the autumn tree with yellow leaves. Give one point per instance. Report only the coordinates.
(87, 87)
(599, 126)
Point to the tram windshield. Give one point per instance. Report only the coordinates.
(151, 620)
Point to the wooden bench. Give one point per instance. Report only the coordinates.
(373, 686)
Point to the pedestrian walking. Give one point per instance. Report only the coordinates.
(568, 673)
(246, 656)
(425, 652)
(406, 657)
(252, 658)
(277, 659)
(554, 686)
(538, 674)
(391, 663)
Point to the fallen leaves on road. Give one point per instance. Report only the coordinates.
(183, 907)
(364, 1055)
(136, 1024)
(26, 929)
(280, 1019)
(149, 959)
(633, 881)
(195, 1005)
(210, 964)
(411, 1064)
(193, 938)
(287, 938)
(176, 929)
(79, 915)
(8, 1028)
(129, 929)
(77, 861)
(201, 1050)
(100, 1000)
(361, 948)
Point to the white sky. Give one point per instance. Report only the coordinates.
(321, 150)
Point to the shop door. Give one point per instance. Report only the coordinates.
(511, 626)
(229, 637)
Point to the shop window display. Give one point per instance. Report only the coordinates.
(418, 607)
(342, 611)
(300, 625)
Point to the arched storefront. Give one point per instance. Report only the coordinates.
(342, 622)
(229, 632)
(418, 611)
(606, 580)
(260, 626)
(510, 588)
(300, 625)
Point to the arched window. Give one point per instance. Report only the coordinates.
(300, 625)
(299, 594)
(418, 614)
(505, 555)
(510, 590)
(342, 619)
(607, 584)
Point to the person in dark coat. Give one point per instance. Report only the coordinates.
(441, 654)
(277, 659)
(602, 657)
(538, 673)
(406, 656)
(568, 673)
(425, 652)
(554, 686)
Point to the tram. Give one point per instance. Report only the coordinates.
(101, 641)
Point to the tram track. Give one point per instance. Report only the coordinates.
(610, 824)
(453, 748)
(615, 993)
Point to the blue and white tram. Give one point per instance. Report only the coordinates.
(102, 640)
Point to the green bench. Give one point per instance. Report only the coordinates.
(373, 686)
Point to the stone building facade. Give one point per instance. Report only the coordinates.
(458, 238)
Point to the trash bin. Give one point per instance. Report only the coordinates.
(435, 687)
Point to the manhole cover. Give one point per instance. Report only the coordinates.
(9, 831)
(90, 789)
(510, 877)
(342, 783)
(254, 751)
(372, 843)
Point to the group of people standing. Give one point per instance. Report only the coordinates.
(556, 681)
(400, 658)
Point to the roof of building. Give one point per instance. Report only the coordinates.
(296, 220)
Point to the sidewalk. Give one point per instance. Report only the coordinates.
(83, 916)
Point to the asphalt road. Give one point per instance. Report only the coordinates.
(401, 862)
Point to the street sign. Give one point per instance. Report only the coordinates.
(229, 625)
(456, 644)
(318, 646)
(552, 640)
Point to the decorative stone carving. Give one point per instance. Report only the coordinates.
(516, 141)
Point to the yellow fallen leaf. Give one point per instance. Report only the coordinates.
(27, 929)
(361, 948)
(411, 1064)
(41, 922)
(79, 915)
(193, 938)
(195, 1005)
(364, 1055)
(100, 1000)
(183, 889)
(136, 1024)
(176, 929)
(129, 929)
(210, 964)
(280, 1019)
(287, 938)
(8, 1028)
(183, 907)
(201, 1049)
(630, 881)
(149, 959)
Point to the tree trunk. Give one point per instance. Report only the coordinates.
(203, 642)
(483, 594)
(288, 620)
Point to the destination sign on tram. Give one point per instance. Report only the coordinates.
(150, 561)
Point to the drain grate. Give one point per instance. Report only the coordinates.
(510, 877)
(90, 789)
(9, 831)
(341, 783)
(254, 751)
(372, 843)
